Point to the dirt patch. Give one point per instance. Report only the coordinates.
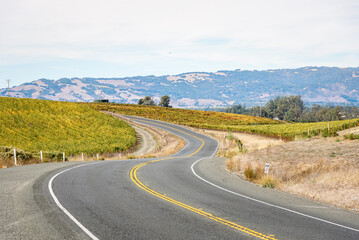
(147, 143)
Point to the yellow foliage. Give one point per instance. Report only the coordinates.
(35, 125)
(226, 121)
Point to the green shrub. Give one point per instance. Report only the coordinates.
(268, 184)
(54, 156)
(351, 136)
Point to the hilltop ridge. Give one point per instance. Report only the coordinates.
(323, 85)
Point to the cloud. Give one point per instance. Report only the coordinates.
(252, 34)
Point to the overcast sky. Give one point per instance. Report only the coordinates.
(118, 38)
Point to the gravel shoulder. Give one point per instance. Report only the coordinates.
(24, 210)
(147, 142)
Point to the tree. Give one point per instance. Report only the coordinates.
(289, 108)
(239, 109)
(140, 102)
(146, 101)
(165, 101)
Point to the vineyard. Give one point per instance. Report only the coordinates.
(193, 118)
(229, 121)
(32, 126)
(55, 127)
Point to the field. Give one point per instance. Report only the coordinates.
(192, 118)
(56, 127)
(229, 121)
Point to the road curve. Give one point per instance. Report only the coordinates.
(186, 196)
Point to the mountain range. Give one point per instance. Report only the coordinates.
(320, 85)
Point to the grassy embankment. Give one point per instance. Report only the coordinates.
(229, 121)
(53, 127)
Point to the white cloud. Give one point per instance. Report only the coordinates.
(252, 34)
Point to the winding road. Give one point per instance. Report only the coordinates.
(185, 196)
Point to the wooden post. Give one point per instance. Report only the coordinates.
(63, 156)
(41, 156)
(15, 157)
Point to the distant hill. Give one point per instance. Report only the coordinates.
(322, 85)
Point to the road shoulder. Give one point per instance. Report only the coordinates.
(25, 213)
(214, 171)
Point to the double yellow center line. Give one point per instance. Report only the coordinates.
(134, 178)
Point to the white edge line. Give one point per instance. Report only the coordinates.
(91, 235)
(259, 201)
(265, 203)
(83, 228)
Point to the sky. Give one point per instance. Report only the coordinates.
(121, 38)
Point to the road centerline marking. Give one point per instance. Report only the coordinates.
(135, 179)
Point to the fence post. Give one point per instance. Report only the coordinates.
(63, 156)
(15, 157)
(41, 156)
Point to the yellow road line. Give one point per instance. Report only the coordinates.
(134, 178)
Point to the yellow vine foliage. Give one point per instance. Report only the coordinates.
(41, 125)
(227, 121)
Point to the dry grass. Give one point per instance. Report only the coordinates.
(167, 144)
(229, 148)
(323, 169)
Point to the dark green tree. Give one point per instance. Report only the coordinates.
(140, 101)
(147, 101)
(165, 101)
(289, 108)
(239, 109)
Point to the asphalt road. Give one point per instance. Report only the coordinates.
(187, 196)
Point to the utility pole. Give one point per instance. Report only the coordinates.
(8, 87)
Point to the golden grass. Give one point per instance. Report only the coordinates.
(326, 170)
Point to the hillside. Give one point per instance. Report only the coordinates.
(228, 121)
(323, 85)
(49, 126)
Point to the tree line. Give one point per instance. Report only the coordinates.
(293, 109)
(164, 102)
